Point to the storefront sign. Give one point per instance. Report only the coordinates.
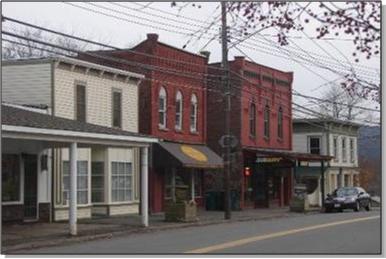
(268, 159)
(194, 153)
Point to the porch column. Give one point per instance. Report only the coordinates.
(322, 182)
(73, 193)
(144, 187)
(192, 189)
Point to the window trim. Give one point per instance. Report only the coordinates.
(267, 121)
(344, 151)
(309, 144)
(194, 101)
(280, 130)
(335, 150)
(76, 84)
(21, 184)
(132, 200)
(164, 111)
(116, 90)
(180, 98)
(252, 134)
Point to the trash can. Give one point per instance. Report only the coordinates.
(210, 201)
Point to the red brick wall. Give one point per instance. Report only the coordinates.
(275, 95)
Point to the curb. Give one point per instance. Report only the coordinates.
(13, 249)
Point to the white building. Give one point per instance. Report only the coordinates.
(108, 177)
(334, 138)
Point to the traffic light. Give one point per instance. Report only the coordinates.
(247, 171)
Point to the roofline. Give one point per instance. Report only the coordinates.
(77, 135)
(73, 61)
(330, 120)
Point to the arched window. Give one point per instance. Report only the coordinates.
(179, 111)
(252, 120)
(280, 123)
(266, 121)
(162, 107)
(193, 113)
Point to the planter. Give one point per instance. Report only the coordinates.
(181, 211)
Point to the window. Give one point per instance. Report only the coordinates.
(344, 150)
(314, 145)
(193, 113)
(252, 120)
(162, 108)
(179, 111)
(335, 149)
(352, 153)
(266, 121)
(82, 182)
(81, 102)
(97, 181)
(280, 123)
(10, 178)
(121, 181)
(117, 109)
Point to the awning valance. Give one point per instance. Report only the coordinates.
(185, 155)
(261, 152)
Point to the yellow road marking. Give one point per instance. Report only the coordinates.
(244, 241)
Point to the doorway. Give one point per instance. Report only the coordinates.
(30, 187)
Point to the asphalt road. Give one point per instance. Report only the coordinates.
(333, 233)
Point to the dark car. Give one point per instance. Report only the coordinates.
(347, 198)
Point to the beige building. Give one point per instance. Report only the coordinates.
(108, 178)
(334, 138)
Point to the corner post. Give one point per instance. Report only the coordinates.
(73, 189)
(144, 187)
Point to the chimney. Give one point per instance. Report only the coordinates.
(205, 53)
(152, 36)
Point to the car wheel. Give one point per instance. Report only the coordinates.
(357, 206)
(368, 207)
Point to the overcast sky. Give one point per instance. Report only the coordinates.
(172, 29)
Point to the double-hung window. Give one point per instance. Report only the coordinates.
(82, 182)
(280, 123)
(81, 102)
(314, 145)
(335, 148)
(352, 151)
(344, 149)
(252, 120)
(193, 113)
(266, 121)
(121, 182)
(162, 107)
(179, 111)
(117, 108)
(10, 178)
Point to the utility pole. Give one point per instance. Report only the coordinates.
(227, 99)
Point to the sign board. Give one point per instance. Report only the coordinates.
(268, 159)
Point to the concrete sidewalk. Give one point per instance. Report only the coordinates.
(32, 235)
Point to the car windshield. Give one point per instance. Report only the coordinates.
(345, 192)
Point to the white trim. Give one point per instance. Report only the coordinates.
(68, 133)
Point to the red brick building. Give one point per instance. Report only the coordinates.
(172, 101)
(261, 119)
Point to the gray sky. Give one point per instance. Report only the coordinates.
(124, 33)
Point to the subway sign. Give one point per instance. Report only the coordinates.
(268, 159)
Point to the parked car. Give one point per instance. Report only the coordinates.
(347, 198)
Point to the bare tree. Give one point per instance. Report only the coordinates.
(341, 104)
(17, 48)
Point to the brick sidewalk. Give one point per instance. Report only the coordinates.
(33, 235)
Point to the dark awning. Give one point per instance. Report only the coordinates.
(186, 155)
(262, 152)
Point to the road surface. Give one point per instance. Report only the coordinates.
(332, 233)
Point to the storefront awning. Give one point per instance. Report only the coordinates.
(185, 155)
(288, 154)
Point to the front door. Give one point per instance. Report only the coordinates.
(30, 187)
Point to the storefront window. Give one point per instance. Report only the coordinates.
(121, 181)
(10, 174)
(82, 182)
